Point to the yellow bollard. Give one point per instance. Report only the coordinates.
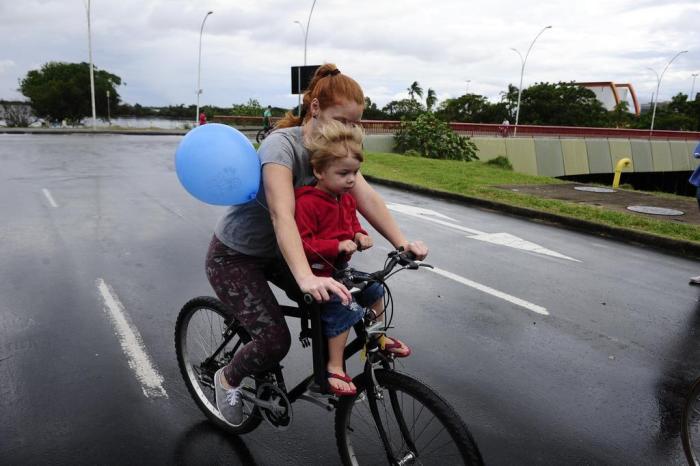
(622, 163)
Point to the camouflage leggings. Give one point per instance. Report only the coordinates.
(240, 281)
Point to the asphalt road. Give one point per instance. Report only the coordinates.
(569, 349)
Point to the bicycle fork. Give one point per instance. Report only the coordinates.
(375, 394)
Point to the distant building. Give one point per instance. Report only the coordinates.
(610, 94)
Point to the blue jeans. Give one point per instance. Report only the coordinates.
(337, 318)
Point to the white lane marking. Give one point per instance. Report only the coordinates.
(426, 214)
(409, 209)
(49, 197)
(501, 239)
(506, 239)
(132, 344)
(487, 289)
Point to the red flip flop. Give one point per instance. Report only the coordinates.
(395, 344)
(337, 391)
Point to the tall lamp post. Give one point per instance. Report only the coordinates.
(109, 118)
(692, 88)
(467, 91)
(522, 72)
(658, 84)
(305, 31)
(199, 67)
(92, 74)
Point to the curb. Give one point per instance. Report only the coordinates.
(686, 249)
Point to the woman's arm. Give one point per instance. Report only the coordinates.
(279, 192)
(374, 209)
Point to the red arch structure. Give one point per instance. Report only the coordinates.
(614, 90)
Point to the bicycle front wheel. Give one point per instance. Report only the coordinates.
(690, 428)
(204, 342)
(260, 136)
(420, 427)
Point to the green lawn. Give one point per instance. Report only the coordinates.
(478, 179)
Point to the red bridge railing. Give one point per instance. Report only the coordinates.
(485, 129)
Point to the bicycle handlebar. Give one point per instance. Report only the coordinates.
(358, 280)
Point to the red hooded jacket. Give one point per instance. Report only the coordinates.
(324, 221)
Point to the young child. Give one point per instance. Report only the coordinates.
(329, 229)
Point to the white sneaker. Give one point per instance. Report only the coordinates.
(228, 401)
(695, 280)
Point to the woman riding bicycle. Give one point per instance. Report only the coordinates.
(242, 256)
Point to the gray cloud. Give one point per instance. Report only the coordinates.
(249, 45)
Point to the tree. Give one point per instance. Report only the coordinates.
(372, 112)
(251, 108)
(62, 91)
(559, 104)
(16, 114)
(415, 89)
(404, 108)
(472, 108)
(678, 115)
(430, 100)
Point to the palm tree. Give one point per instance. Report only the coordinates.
(430, 99)
(414, 90)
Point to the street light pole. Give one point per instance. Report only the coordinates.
(199, 67)
(306, 39)
(691, 97)
(303, 33)
(467, 91)
(658, 85)
(522, 72)
(92, 75)
(109, 118)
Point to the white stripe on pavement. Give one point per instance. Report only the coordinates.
(132, 344)
(49, 197)
(486, 289)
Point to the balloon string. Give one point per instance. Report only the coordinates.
(302, 239)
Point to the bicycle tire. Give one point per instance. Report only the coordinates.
(357, 435)
(690, 427)
(261, 135)
(208, 316)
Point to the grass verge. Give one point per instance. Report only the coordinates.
(477, 179)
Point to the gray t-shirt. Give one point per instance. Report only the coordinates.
(247, 228)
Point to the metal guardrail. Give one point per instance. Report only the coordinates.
(486, 129)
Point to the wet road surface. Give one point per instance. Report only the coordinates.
(555, 347)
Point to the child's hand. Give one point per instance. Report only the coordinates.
(348, 247)
(363, 242)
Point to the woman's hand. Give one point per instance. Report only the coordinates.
(418, 248)
(321, 288)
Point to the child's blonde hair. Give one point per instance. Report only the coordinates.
(335, 141)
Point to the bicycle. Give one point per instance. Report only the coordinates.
(393, 416)
(263, 133)
(690, 427)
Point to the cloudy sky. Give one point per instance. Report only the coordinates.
(248, 46)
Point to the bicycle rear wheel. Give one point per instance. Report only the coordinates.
(690, 428)
(420, 426)
(201, 334)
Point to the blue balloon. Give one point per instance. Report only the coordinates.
(218, 165)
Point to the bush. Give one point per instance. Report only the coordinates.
(501, 162)
(434, 139)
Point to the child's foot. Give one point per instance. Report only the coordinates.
(394, 346)
(340, 384)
